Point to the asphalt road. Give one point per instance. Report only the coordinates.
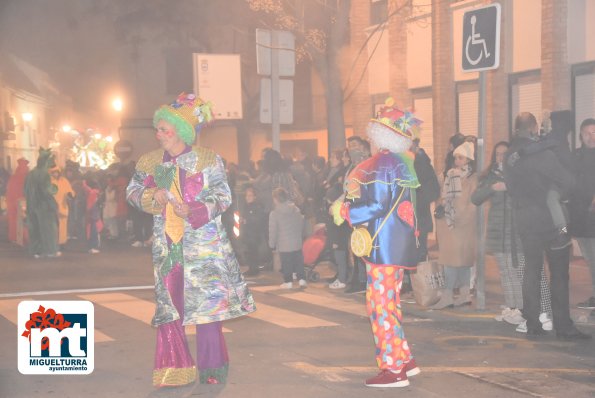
(309, 342)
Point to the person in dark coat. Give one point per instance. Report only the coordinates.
(252, 230)
(556, 139)
(503, 242)
(582, 202)
(428, 192)
(338, 237)
(528, 179)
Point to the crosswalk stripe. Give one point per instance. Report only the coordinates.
(333, 303)
(9, 310)
(141, 310)
(328, 301)
(287, 319)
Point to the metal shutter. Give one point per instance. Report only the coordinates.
(468, 112)
(526, 97)
(584, 105)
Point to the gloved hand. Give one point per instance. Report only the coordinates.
(336, 208)
(340, 211)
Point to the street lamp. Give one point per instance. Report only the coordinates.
(117, 104)
(66, 128)
(27, 116)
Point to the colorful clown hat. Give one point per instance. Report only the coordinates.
(188, 113)
(401, 122)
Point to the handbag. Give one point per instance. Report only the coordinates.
(426, 282)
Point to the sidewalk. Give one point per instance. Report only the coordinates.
(579, 289)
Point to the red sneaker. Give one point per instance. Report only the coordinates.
(411, 368)
(386, 378)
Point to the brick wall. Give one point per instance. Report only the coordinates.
(397, 45)
(443, 86)
(555, 71)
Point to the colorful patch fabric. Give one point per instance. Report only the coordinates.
(384, 308)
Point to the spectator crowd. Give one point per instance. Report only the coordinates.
(540, 195)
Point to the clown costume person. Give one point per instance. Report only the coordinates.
(197, 277)
(381, 200)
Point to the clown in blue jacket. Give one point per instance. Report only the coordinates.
(380, 203)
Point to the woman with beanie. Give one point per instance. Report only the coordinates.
(457, 229)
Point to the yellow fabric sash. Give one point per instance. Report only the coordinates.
(174, 225)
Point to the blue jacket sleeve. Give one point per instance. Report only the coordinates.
(374, 203)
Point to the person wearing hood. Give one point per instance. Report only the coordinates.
(15, 191)
(286, 231)
(42, 210)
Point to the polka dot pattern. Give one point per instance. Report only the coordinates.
(384, 309)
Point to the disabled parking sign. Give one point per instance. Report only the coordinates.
(481, 38)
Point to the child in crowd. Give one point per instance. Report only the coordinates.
(286, 226)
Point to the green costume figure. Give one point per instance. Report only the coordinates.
(42, 213)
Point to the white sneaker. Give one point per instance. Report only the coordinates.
(337, 284)
(500, 317)
(93, 251)
(522, 328)
(137, 244)
(546, 322)
(287, 285)
(514, 317)
(302, 283)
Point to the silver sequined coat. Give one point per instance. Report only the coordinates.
(214, 289)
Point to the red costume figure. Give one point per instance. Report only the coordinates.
(15, 191)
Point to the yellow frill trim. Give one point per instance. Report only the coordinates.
(147, 163)
(174, 376)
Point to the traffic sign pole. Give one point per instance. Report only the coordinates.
(275, 123)
(481, 52)
(480, 266)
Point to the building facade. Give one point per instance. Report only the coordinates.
(414, 50)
